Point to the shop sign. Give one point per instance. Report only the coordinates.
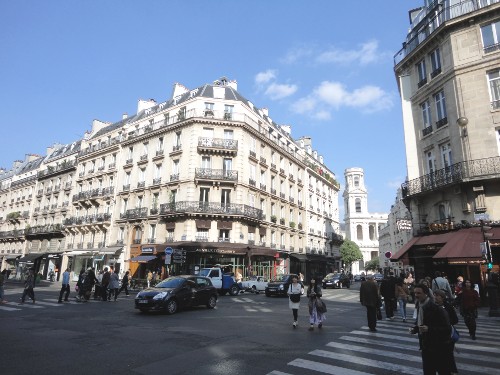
(148, 250)
(217, 251)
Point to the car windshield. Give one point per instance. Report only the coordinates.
(281, 278)
(332, 275)
(172, 282)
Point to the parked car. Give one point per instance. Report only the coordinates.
(336, 280)
(279, 285)
(255, 284)
(378, 277)
(177, 292)
(359, 278)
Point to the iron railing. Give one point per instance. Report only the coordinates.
(455, 173)
(211, 208)
(227, 144)
(216, 174)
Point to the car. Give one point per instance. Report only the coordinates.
(336, 280)
(378, 277)
(255, 284)
(359, 278)
(279, 285)
(177, 292)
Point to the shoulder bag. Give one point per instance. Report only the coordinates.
(294, 297)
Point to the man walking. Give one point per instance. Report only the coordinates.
(369, 298)
(64, 287)
(3, 277)
(434, 333)
(388, 291)
(105, 284)
(29, 284)
(440, 283)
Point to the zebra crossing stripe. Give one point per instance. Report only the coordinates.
(324, 368)
(49, 303)
(365, 361)
(278, 373)
(382, 335)
(30, 306)
(7, 308)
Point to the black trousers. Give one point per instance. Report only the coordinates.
(29, 292)
(124, 287)
(64, 288)
(371, 315)
(436, 361)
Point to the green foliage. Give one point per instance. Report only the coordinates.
(350, 253)
(372, 265)
(292, 224)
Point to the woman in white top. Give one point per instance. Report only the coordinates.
(294, 292)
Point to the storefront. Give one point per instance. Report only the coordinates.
(8, 262)
(310, 265)
(77, 260)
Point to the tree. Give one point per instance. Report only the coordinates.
(372, 265)
(350, 253)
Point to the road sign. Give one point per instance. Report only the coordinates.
(168, 251)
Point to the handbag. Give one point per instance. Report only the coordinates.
(320, 306)
(295, 297)
(455, 336)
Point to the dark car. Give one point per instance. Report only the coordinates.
(336, 280)
(177, 292)
(279, 286)
(378, 277)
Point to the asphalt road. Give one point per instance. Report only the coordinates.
(245, 334)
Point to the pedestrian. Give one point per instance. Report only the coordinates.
(149, 277)
(301, 277)
(440, 282)
(105, 284)
(3, 277)
(125, 281)
(402, 294)
(458, 291)
(114, 284)
(370, 298)
(316, 305)
(29, 284)
(468, 307)
(434, 333)
(440, 300)
(64, 287)
(294, 292)
(98, 286)
(388, 291)
(410, 283)
(80, 286)
(89, 283)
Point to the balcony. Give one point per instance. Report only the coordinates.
(157, 181)
(126, 187)
(112, 166)
(201, 238)
(153, 211)
(216, 174)
(129, 162)
(135, 213)
(218, 145)
(282, 195)
(253, 155)
(441, 122)
(273, 246)
(137, 241)
(94, 194)
(422, 82)
(188, 207)
(143, 158)
(16, 233)
(176, 148)
(299, 203)
(436, 72)
(465, 171)
(174, 177)
(273, 191)
(262, 186)
(54, 170)
(263, 161)
(151, 240)
(224, 239)
(99, 146)
(252, 182)
(169, 239)
(273, 167)
(159, 153)
(427, 130)
(291, 178)
(141, 184)
(291, 199)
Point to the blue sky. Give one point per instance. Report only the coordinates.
(324, 67)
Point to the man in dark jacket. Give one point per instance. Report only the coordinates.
(369, 298)
(104, 284)
(388, 291)
(434, 333)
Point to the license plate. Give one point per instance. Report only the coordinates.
(272, 289)
(143, 301)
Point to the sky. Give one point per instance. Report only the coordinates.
(324, 67)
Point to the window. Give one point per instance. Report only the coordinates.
(145, 149)
(371, 232)
(227, 166)
(446, 155)
(263, 177)
(154, 201)
(498, 139)
(356, 181)
(252, 172)
(139, 201)
(440, 109)
(142, 174)
(224, 235)
(494, 84)
(357, 204)
(225, 197)
(359, 232)
(251, 200)
(228, 112)
(431, 162)
(426, 115)
(435, 57)
(491, 36)
(157, 171)
(130, 152)
(152, 233)
(160, 144)
(253, 144)
(175, 166)
(201, 234)
(177, 140)
(206, 162)
(422, 73)
(204, 192)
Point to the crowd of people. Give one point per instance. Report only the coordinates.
(435, 314)
(105, 285)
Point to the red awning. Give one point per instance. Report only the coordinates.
(404, 249)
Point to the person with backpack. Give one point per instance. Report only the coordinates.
(440, 283)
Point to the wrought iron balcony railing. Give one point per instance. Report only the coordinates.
(218, 143)
(211, 208)
(135, 213)
(457, 173)
(216, 174)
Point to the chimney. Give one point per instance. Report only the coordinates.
(307, 141)
(31, 157)
(286, 128)
(16, 164)
(179, 90)
(233, 84)
(265, 111)
(98, 125)
(145, 104)
(124, 116)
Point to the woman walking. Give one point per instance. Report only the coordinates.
(294, 292)
(114, 284)
(316, 316)
(125, 281)
(440, 300)
(468, 307)
(402, 294)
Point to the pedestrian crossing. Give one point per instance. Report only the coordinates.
(391, 350)
(40, 304)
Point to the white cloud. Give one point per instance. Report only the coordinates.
(366, 54)
(279, 91)
(264, 77)
(334, 95)
(295, 54)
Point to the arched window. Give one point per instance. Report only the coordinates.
(359, 232)
(358, 204)
(371, 232)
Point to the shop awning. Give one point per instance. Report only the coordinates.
(399, 254)
(10, 256)
(463, 244)
(110, 250)
(302, 257)
(30, 257)
(143, 258)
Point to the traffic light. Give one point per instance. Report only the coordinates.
(490, 265)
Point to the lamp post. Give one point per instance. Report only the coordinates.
(491, 283)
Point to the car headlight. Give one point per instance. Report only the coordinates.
(281, 287)
(161, 295)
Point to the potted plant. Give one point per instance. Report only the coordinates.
(282, 221)
(273, 218)
(292, 224)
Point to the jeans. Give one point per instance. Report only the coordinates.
(402, 307)
(64, 288)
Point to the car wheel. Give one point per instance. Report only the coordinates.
(254, 289)
(212, 302)
(234, 291)
(268, 294)
(172, 306)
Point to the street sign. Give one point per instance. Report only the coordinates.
(168, 251)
